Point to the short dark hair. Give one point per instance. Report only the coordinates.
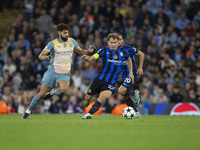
(120, 34)
(62, 27)
(112, 35)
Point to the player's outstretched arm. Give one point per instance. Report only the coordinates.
(141, 55)
(81, 51)
(43, 55)
(88, 58)
(129, 63)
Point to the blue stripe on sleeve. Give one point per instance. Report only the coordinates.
(75, 43)
(49, 46)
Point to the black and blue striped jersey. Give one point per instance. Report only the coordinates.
(125, 72)
(112, 63)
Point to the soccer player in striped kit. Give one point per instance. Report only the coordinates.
(104, 83)
(131, 97)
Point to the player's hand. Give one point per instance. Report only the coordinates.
(140, 71)
(131, 77)
(46, 57)
(91, 48)
(88, 58)
(85, 57)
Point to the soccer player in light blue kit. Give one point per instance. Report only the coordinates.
(59, 53)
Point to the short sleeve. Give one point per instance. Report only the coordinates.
(126, 54)
(101, 51)
(134, 51)
(74, 43)
(49, 46)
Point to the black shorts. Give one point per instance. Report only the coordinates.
(127, 82)
(98, 86)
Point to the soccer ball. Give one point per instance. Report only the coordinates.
(128, 112)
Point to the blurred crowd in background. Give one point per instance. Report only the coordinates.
(167, 31)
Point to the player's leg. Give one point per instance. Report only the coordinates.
(102, 97)
(87, 99)
(131, 97)
(63, 80)
(35, 101)
(62, 88)
(126, 91)
(106, 91)
(92, 90)
(47, 81)
(122, 90)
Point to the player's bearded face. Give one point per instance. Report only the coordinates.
(64, 35)
(64, 38)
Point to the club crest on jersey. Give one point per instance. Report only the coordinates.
(89, 91)
(121, 53)
(70, 45)
(115, 56)
(65, 45)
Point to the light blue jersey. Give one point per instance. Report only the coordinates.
(60, 61)
(61, 54)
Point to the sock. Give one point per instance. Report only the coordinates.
(95, 107)
(129, 92)
(34, 102)
(28, 111)
(56, 92)
(130, 103)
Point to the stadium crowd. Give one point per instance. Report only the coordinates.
(167, 31)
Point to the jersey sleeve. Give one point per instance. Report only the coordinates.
(134, 51)
(49, 46)
(101, 51)
(74, 43)
(126, 54)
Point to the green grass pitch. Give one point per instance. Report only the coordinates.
(103, 132)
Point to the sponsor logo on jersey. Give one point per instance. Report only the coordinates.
(64, 53)
(117, 62)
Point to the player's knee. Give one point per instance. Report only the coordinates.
(121, 91)
(102, 99)
(62, 90)
(88, 97)
(41, 94)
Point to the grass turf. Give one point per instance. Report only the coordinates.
(104, 132)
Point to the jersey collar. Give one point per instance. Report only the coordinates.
(113, 50)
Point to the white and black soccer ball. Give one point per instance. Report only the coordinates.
(128, 112)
